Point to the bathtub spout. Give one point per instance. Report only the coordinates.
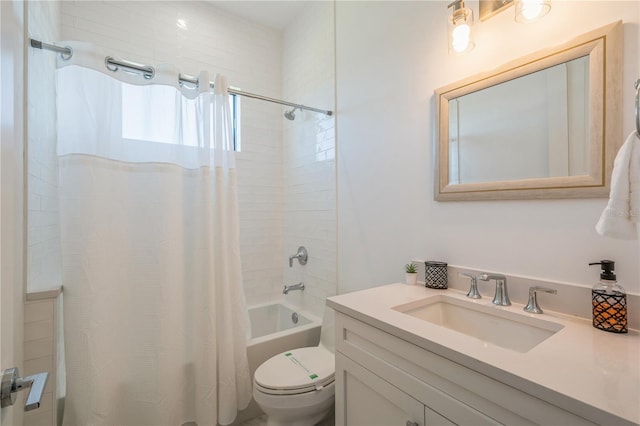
(288, 288)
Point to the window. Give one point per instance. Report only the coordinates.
(152, 113)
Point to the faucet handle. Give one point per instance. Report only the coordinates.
(532, 303)
(473, 292)
(301, 255)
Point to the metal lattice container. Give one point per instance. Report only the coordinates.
(609, 311)
(435, 275)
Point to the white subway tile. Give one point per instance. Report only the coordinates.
(39, 417)
(34, 349)
(38, 311)
(38, 330)
(38, 365)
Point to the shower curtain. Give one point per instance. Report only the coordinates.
(155, 316)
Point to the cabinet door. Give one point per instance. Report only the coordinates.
(431, 418)
(364, 399)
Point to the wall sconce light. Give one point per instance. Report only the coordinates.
(525, 10)
(460, 28)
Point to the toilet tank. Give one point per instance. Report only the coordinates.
(327, 333)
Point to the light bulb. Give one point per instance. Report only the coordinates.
(530, 10)
(460, 28)
(460, 36)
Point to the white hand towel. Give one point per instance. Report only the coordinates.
(621, 216)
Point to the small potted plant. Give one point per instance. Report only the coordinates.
(411, 274)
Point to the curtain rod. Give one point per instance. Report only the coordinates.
(148, 72)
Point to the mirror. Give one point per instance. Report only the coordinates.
(545, 126)
(535, 126)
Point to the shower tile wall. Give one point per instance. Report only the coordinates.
(250, 55)
(309, 154)
(43, 256)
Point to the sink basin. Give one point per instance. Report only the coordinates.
(490, 324)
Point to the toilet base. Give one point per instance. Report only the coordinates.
(296, 410)
(311, 420)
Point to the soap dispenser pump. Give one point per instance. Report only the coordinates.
(609, 300)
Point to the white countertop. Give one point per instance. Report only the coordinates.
(578, 368)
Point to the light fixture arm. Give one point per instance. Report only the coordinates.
(525, 10)
(459, 13)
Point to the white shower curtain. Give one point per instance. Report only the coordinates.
(155, 315)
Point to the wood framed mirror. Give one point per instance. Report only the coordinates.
(547, 125)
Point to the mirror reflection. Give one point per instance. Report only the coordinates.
(534, 126)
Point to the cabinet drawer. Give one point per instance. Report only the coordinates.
(418, 372)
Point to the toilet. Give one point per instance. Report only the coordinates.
(296, 387)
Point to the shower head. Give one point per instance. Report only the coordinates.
(290, 115)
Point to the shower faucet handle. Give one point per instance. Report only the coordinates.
(301, 255)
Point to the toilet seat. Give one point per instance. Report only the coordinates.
(296, 371)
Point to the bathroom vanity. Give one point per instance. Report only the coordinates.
(408, 356)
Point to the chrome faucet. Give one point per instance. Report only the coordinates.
(473, 292)
(532, 304)
(288, 288)
(501, 297)
(301, 255)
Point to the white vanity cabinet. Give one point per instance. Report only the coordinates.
(369, 400)
(384, 380)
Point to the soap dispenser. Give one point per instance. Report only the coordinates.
(609, 300)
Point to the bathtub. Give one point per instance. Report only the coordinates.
(272, 321)
(273, 330)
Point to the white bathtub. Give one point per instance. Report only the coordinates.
(275, 320)
(272, 332)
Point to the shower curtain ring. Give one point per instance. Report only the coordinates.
(109, 65)
(150, 73)
(66, 56)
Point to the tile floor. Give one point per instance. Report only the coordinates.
(258, 421)
(262, 421)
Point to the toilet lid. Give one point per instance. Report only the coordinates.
(296, 371)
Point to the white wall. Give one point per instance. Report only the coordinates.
(309, 155)
(391, 56)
